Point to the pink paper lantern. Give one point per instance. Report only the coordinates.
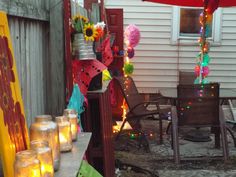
(132, 35)
(205, 71)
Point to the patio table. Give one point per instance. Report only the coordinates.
(225, 95)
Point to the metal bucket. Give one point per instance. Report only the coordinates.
(81, 48)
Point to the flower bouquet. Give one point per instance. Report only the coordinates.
(91, 32)
(78, 22)
(85, 34)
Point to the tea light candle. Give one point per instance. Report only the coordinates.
(44, 154)
(26, 164)
(64, 133)
(73, 118)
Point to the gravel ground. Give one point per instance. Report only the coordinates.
(135, 161)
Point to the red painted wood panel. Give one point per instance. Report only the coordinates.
(68, 57)
(115, 25)
(97, 119)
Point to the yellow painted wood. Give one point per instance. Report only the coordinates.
(7, 146)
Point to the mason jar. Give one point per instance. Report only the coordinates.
(72, 115)
(26, 164)
(64, 133)
(44, 154)
(45, 129)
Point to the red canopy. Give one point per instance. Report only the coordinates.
(211, 5)
(194, 3)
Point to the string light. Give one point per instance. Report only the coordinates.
(201, 69)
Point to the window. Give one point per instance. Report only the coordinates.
(186, 26)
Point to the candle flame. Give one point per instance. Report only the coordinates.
(46, 169)
(62, 138)
(35, 172)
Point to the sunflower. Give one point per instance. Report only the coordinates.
(78, 22)
(90, 32)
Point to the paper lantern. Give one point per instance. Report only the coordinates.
(132, 35)
(196, 81)
(205, 81)
(209, 19)
(205, 71)
(130, 52)
(128, 68)
(197, 70)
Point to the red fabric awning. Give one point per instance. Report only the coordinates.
(194, 3)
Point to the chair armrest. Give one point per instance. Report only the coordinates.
(145, 104)
(155, 97)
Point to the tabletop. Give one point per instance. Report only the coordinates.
(225, 94)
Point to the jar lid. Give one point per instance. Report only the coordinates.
(61, 119)
(41, 146)
(26, 154)
(70, 111)
(43, 118)
(38, 143)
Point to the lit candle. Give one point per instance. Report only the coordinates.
(73, 118)
(64, 133)
(45, 129)
(26, 164)
(44, 154)
(62, 138)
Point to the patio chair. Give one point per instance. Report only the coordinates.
(186, 77)
(138, 103)
(198, 106)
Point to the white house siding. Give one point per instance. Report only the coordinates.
(157, 60)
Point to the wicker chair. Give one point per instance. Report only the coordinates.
(137, 104)
(198, 106)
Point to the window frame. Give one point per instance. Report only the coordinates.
(216, 28)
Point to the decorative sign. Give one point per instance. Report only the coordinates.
(13, 130)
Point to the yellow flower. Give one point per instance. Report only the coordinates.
(80, 19)
(78, 22)
(84, 19)
(90, 32)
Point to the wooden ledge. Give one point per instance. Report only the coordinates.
(71, 161)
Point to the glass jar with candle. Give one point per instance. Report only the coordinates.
(44, 154)
(45, 129)
(64, 133)
(73, 118)
(26, 164)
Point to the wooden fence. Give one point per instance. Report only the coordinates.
(37, 35)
